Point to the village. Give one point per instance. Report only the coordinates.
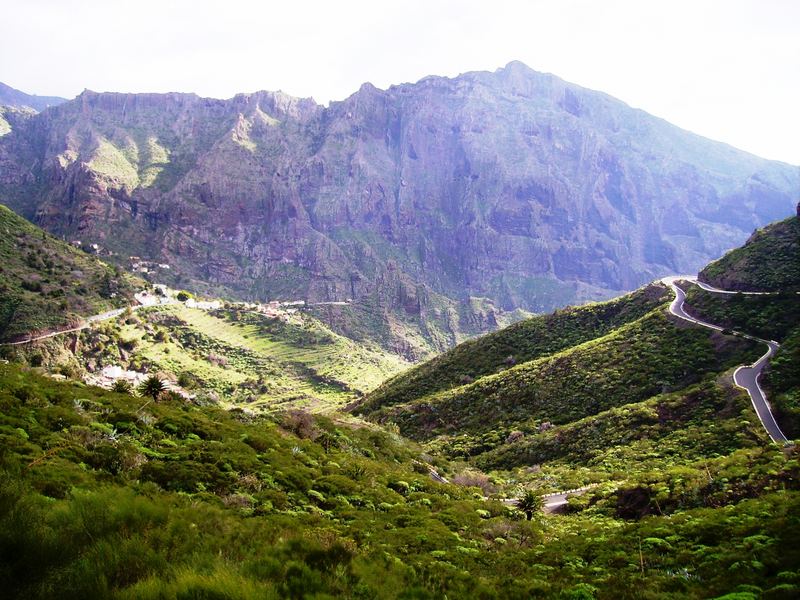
(163, 295)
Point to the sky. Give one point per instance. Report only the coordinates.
(726, 69)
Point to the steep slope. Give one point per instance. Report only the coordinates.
(519, 343)
(592, 371)
(630, 364)
(107, 495)
(500, 191)
(46, 284)
(17, 99)
(769, 261)
(266, 361)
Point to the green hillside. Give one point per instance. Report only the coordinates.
(108, 495)
(769, 261)
(266, 363)
(245, 358)
(518, 343)
(770, 317)
(775, 316)
(782, 383)
(240, 488)
(45, 284)
(630, 364)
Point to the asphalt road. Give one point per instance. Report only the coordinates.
(745, 377)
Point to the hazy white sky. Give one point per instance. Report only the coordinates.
(727, 69)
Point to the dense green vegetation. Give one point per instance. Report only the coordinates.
(46, 284)
(228, 355)
(107, 495)
(516, 344)
(242, 356)
(769, 261)
(223, 493)
(668, 429)
(768, 317)
(630, 364)
(782, 382)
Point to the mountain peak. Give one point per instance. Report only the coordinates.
(517, 66)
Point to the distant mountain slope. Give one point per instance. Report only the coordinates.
(769, 261)
(582, 369)
(11, 97)
(47, 284)
(438, 207)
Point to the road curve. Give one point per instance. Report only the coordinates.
(745, 376)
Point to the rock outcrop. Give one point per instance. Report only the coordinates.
(437, 207)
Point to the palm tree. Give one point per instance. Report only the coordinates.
(152, 386)
(529, 503)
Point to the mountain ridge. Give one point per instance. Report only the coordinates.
(509, 190)
(18, 99)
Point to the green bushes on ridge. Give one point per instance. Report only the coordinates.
(635, 362)
(518, 343)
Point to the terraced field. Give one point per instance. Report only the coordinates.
(247, 358)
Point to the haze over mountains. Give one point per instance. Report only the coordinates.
(438, 207)
(17, 99)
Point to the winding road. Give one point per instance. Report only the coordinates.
(745, 376)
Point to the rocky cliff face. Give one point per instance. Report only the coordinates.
(437, 207)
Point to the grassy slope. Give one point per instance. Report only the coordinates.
(518, 343)
(768, 317)
(782, 383)
(46, 284)
(103, 497)
(630, 364)
(243, 357)
(769, 261)
(662, 431)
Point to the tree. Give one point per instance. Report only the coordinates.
(529, 503)
(152, 386)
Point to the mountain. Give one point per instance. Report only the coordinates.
(285, 358)
(17, 99)
(440, 208)
(46, 284)
(769, 261)
(677, 489)
(528, 393)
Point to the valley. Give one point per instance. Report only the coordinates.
(441, 209)
(285, 460)
(425, 342)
